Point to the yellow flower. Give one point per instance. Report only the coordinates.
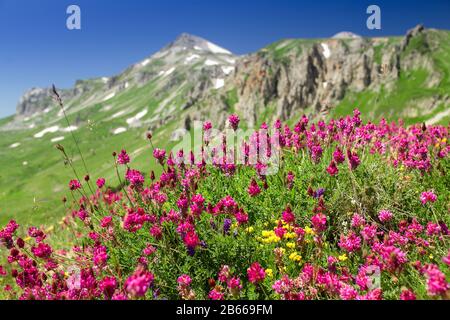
(249, 229)
(294, 256)
(310, 231)
(431, 256)
(290, 245)
(444, 140)
(266, 233)
(49, 229)
(27, 239)
(343, 257)
(269, 273)
(274, 238)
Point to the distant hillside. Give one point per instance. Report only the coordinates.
(194, 79)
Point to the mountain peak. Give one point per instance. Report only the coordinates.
(346, 35)
(193, 42)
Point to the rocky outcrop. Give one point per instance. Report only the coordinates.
(196, 80)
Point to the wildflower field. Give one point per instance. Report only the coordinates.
(349, 210)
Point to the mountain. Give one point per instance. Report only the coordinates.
(194, 79)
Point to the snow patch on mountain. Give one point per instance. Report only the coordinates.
(219, 83)
(216, 49)
(326, 50)
(210, 62)
(137, 117)
(15, 145)
(42, 133)
(57, 139)
(119, 130)
(109, 96)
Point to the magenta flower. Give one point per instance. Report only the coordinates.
(74, 185)
(436, 281)
(123, 158)
(100, 182)
(256, 273)
(319, 222)
(407, 295)
(332, 169)
(42, 250)
(288, 216)
(428, 196)
(338, 156)
(207, 126)
(385, 215)
(159, 154)
(106, 221)
(253, 189)
(108, 285)
(234, 120)
(139, 282)
(350, 243)
(134, 177)
(241, 217)
(215, 294)
(184, 280)
(353, 160)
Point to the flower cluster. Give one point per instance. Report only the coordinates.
(352, 203)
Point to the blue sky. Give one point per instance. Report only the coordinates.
(36, 49)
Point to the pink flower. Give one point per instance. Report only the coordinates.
(2, 271)
(288, 216)
(100, 182)
(436, 282)
(234, 121)
(216, 295)
(139, 282)
(123, 157)
(253, 189)
(385, 215)
(134, 177)
(358, 221)
(348, 292)
(283, 286)
(256, 273)
(108, 285)
(159, 154)
(353, 160)
(290, 180)
(149, 250)
(42, 250)
(319, 222)
(350, 243)
(74, 185)
(338, 156)
(106, 221)
(224, 273)
(191, 240)
(100, 256)
(446, 259)
(407, 295)
(241, 217)
(427, 196)
(184, 280)
(207, 126)
(332, 169)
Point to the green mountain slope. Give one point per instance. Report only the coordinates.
(192, 79)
